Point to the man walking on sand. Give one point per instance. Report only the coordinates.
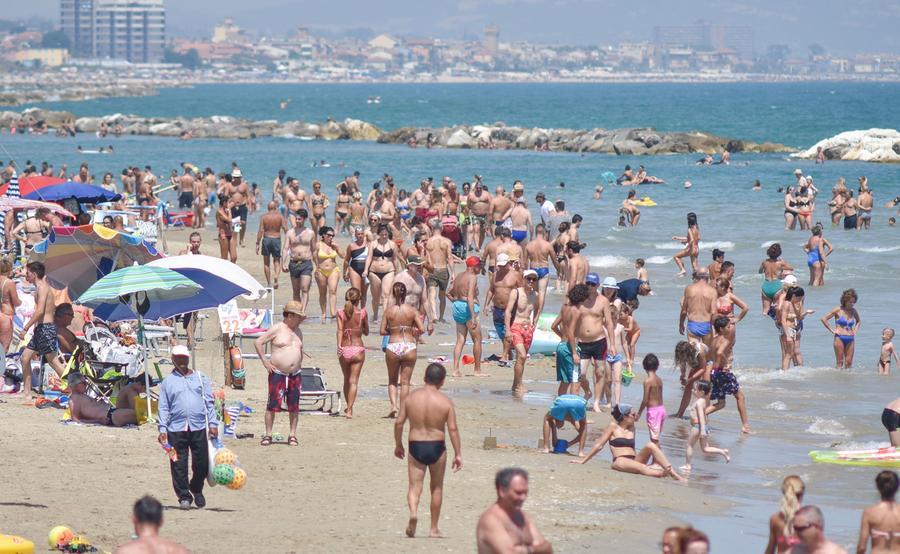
(429, 412)
(147, 518)
(45, 341)
(463, 296)
(284, 369)
(520, 319)
(297, 257)
(187, 419)
(268, 241)
(504, 527)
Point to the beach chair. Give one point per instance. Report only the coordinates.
(315, 394)
(253, 323)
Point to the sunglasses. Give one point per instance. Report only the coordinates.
(594, 285)
(804, 527)
(329, 235)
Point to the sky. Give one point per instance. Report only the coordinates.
(842, 27)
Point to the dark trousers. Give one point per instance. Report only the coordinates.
(195, 441)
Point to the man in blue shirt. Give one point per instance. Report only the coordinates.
(186, 413)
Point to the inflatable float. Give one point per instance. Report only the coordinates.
(10, 544)
(545, 340)
(645, 201)
(877, 457)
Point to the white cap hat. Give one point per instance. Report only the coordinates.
(798, 171)
(502, 259)
(610, 283)
(236, 173)
(789, 280)
(181, 350)
(529, 273)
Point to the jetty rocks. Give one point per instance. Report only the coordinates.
(873, 145)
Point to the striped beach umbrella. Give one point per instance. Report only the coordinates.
(139, 285)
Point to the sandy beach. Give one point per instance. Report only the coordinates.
(342, 489)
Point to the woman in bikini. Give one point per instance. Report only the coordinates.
(357, 210)
(326, 273)
(846, 326)
(817, 250)
(381, 265)
(402, 325)
(781, 524)
(727, 300)
(772, 269)
(691, 244)
(319, 203)
(342, 210)
(805, 208)
(881, 522)
(620, 436)
(404, 212)
(355, 263)
(352, 324)
(790, 209)
(227, 242)
(9, 301)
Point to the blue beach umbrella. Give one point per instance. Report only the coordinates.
(80, 191)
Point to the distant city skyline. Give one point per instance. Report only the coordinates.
(866, 26)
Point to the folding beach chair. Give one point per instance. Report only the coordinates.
(104, 379)
(315, 394)
(253, 323)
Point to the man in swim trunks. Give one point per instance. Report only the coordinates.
(850, 211)
(186, 189)
(890, 418)
(698, 308)
(568, 373)
(479, 203)
(506, 279)
(723, 380)
(463, 295)
(295, 199)
(501, 208)
(504, 527)
(284, 366)
(44, 342)
(865, 201)
(594, 327)
(520, 319)
(268, 241)
(566, 407)
(85, 409)
(297, 257)
(420, 199)
(429, 412)
(520, 218)
(539, 253)
(240, 194)
(439, 255)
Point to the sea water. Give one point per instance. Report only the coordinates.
(793, 412)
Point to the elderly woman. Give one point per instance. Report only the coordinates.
(626, 458)
(570, 408)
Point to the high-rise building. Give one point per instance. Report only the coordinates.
(131, 30)
(704, 36)
(492, 39)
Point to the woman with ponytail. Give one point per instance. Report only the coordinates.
(781, 524)
(352, 324)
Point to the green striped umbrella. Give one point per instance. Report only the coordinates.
(157, 283)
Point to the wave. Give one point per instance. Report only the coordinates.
(607, 261)
(766, 375)
(658, 260)
(830, 427)
(725, 245)
(777, 406)
(877, 249)
(768, 243)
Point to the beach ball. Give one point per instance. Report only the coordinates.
(226, 457)
(60, 536)
(223, 474)
(240, 479)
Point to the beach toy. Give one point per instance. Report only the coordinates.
(645, 201)
(467, 359)
(876, 457)
(627, 376)
(239, 479)
(15, 545)
(561, 446)
(60, 536)
(225, 457)
(223, 474)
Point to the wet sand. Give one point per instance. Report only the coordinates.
(342, 488)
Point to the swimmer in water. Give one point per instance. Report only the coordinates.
(757, 185)
(887, 351)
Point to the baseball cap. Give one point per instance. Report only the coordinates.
(502, 259)
(473, 261)
(413, 260)
(592, 278)
(293, 307)
(518, 186)
(181, 350)
(529, 273)
(237, 173)
(610, 283)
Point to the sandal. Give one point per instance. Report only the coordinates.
(266, 440)
(292, 441)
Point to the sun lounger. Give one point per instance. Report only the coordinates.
(315, 394)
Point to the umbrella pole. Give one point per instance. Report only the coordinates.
(141, 341)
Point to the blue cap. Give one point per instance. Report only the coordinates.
(592, 278)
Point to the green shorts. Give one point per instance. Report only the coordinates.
(566, 370)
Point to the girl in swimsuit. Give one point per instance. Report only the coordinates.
(381, 265)
(9, 300)
(352, 324)
(772, 269)
(691, 244)
(327, 274)
(817, 250)
(790, 317)
(403, 325)
(342, 210)
(781, 527)
(355, 263)
(227, 244)
(846, 325)
(881, 522)
(620, 436)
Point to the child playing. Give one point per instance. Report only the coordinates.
(699, 428)
(653, 395)
(632, 332)
(887, 350)
(642, 274)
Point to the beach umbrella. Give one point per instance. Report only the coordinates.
(91, 194)
(76, 257)
(27, 185)
(8, 203)
(217, 276)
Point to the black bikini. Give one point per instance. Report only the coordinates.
(622, 442)
(387, 255)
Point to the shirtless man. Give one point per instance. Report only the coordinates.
(506, 279)
(186, 189)
(698, 308)
(295, 199)
(522, 227)
(44, 342)
(501, 208)
(504, 527)
(520, 318)
(62, 319)
(130, 394)
(268, 241)
(240, 195)
(569, 373)
(463, 295)
(577, 265)
(147, 518)
(865, 201)
(809, 527)
(429, 412)
(85, 409)
(479, 203)
(539, 253)
(416, 289)
(594, 328)
(489, 254)
(193, 247)
(284, 365)
(507, 245)
(297, 257)
(201, 192)
(145, 195)
(439, 256)
(420, 199)
(278, 184)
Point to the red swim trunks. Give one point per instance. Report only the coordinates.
(521, 333)
(284, 389)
